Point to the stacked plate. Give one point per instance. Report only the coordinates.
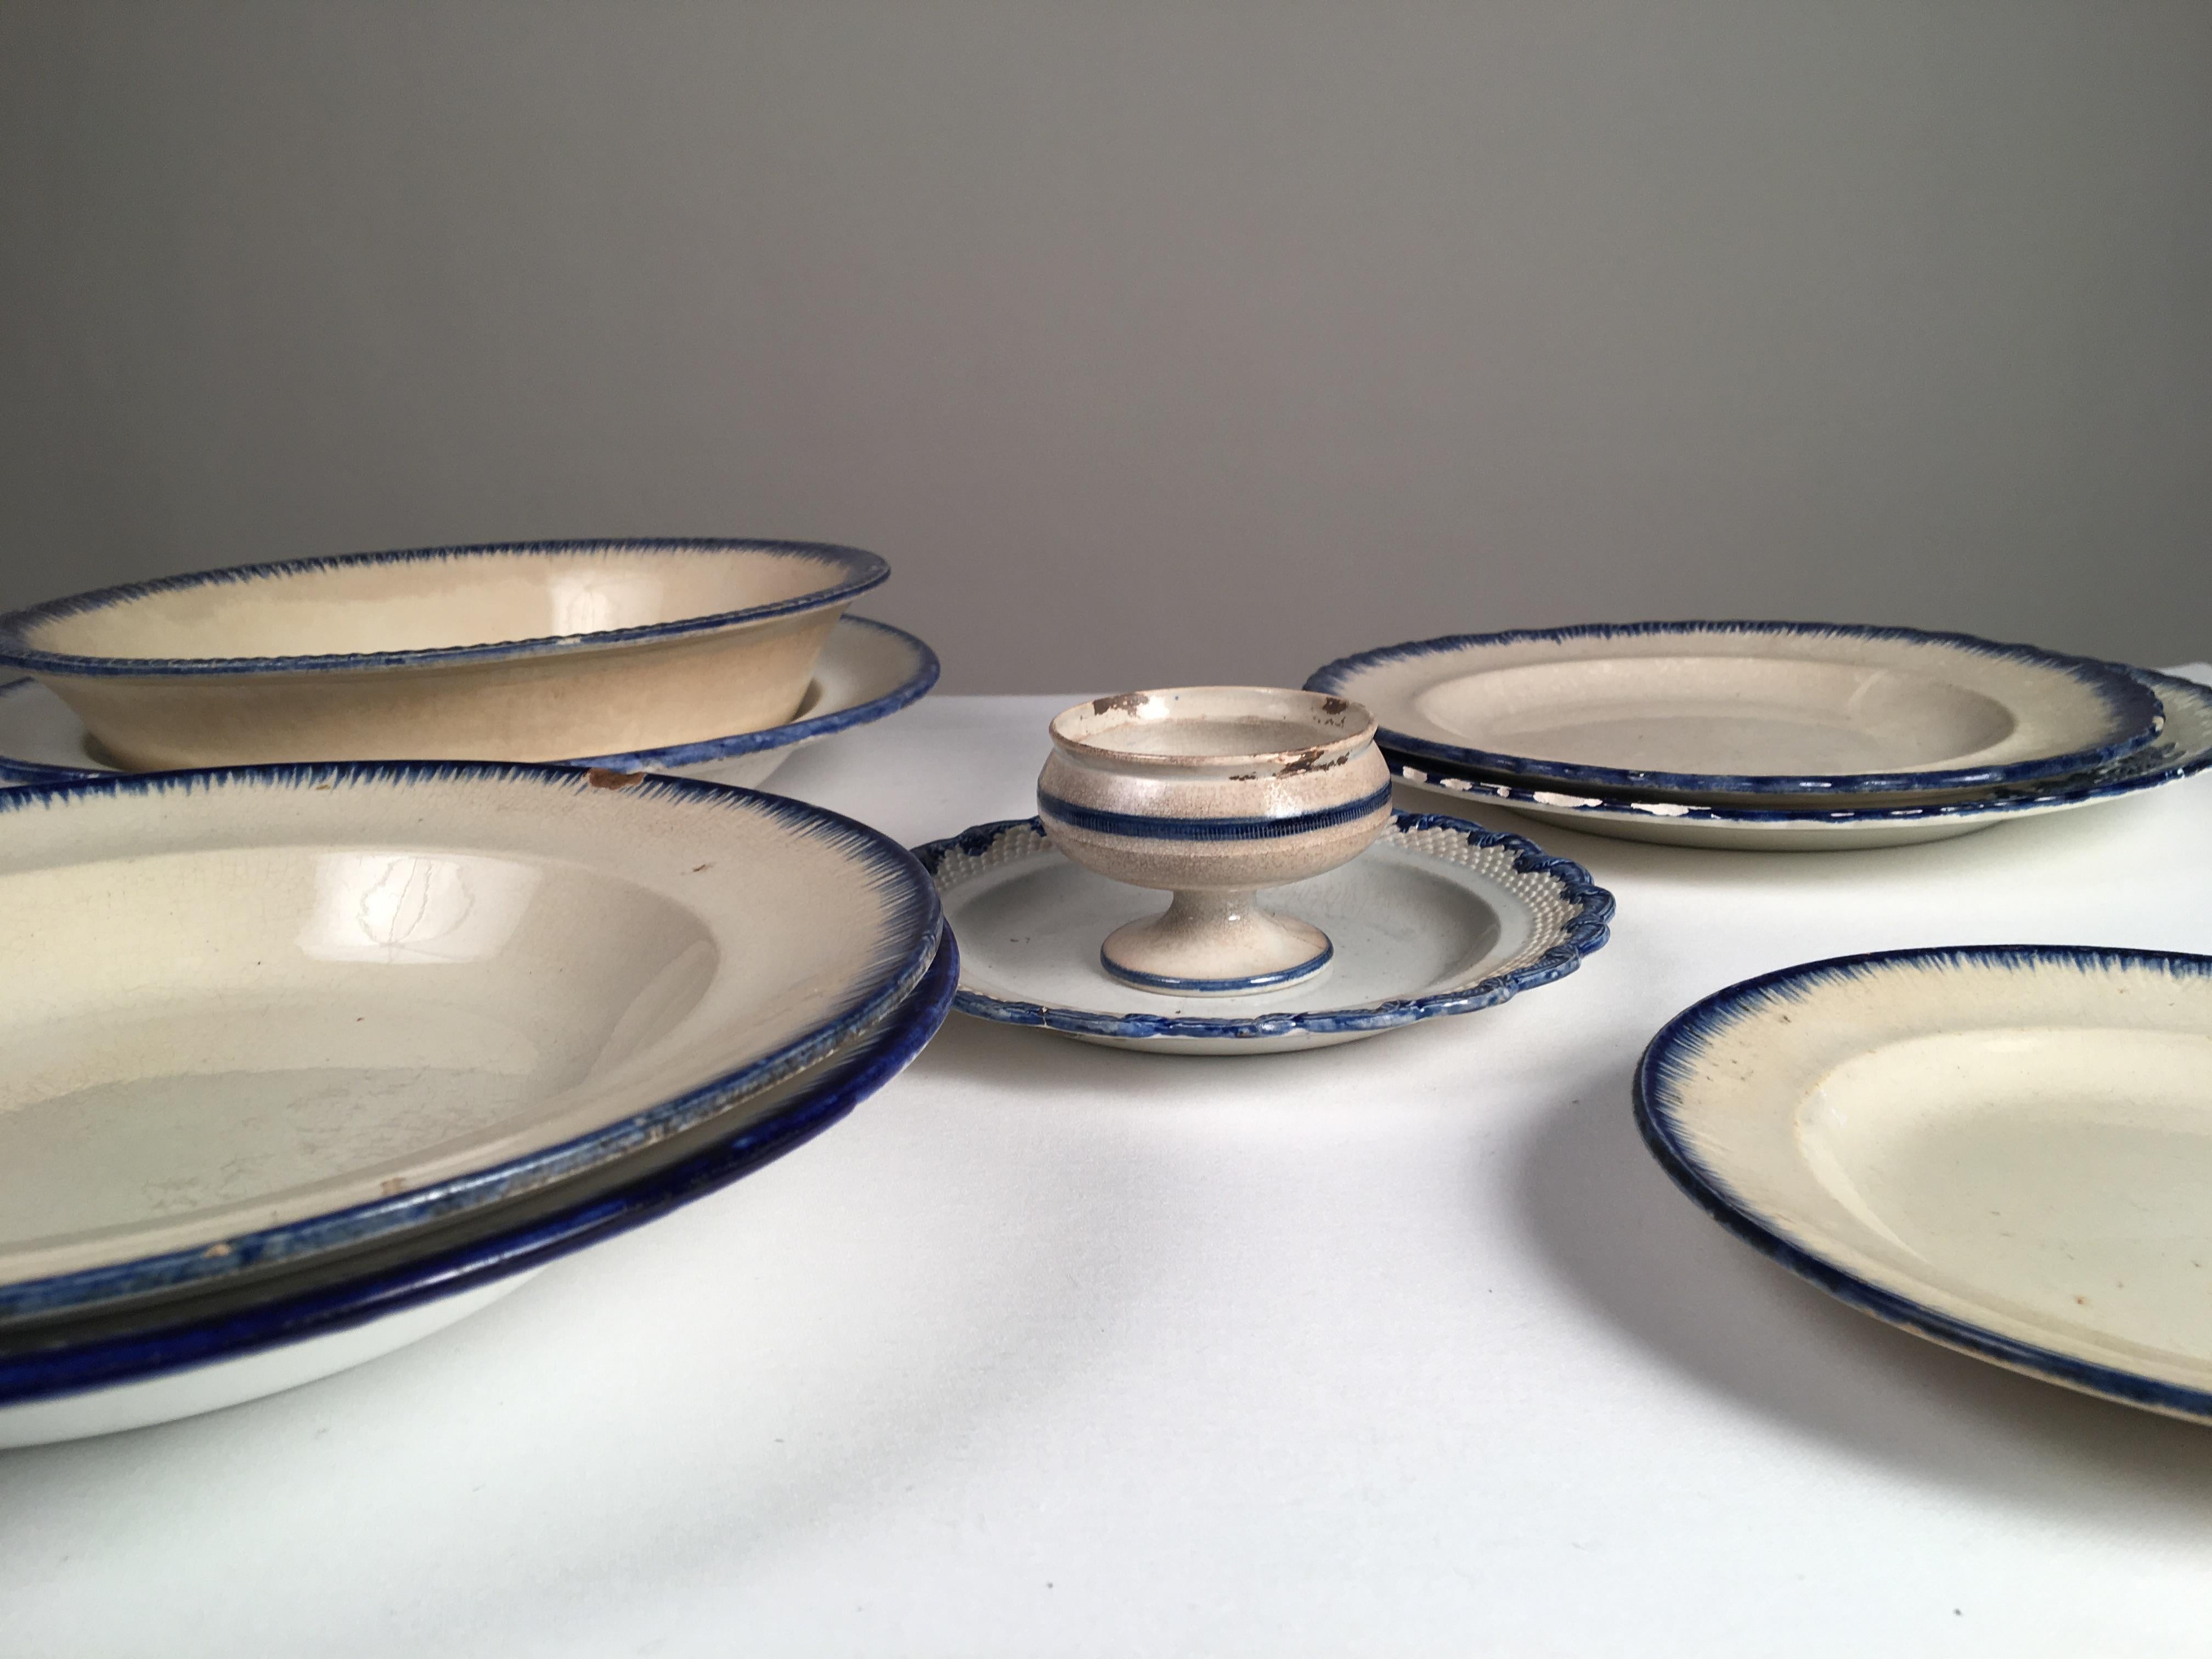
(1778, 735)
(304, 1062)
(301, 1061)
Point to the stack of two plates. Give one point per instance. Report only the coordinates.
(1771, 735)
(300, 1063)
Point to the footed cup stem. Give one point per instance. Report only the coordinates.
(1215, 942)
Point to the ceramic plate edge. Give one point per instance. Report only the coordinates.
(44, 1375)
(1710, 1191)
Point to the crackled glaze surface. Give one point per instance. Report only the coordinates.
(529, 651)
(1436, 917)
(354, 996)
(2004, 1148)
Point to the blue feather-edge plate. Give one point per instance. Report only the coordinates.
(2068, 712)
(1409, 918)
(2002, 1148)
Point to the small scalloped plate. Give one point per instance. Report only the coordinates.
(1759, 713)
(1439, 916)
(867, 669)
(2005, 1149)
(2184, 749)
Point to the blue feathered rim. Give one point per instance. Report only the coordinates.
(67, 1365)
(918, 683)
(856, 571)
(2182, 749)
(913, 921)
(2132, 710)
(1585, 933)
(1669, 1067)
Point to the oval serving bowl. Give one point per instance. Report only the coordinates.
(1756, 713)
(529, 651)
(2003, 1148)
(2182, 749)
(201, 1354)
(867, 670)
(255, 1014)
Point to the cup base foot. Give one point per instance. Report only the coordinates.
(1253, 952)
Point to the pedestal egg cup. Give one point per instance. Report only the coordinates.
(1212, 793)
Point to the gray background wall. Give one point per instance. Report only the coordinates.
(1152, 342)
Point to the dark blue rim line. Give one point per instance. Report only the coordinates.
(858, 570)
(2163, 763)
(1171, 985)
(1585, 933)
(2131, 707)
(876, 1059)
(1138, 827)
(1669, 1069)
(921, 679)
(912, 919)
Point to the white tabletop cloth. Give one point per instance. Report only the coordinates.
(1401, 1347)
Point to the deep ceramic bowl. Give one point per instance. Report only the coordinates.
(527, 652)
(1213, 793)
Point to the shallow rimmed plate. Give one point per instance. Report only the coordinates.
(1439, 917)
(867, 669)
(2184, 748)
(1728, 711)
(259, 1013)
(103, 1382)
(2006, 1149)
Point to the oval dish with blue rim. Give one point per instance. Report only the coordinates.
(526, 651)
(1439, 917)
(2003, 1148)
(867, 670)
(1717, 712)
(2182, 749)
(255, 1014)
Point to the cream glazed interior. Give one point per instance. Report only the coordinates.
(2003, 1148)
(534, 651)
(360, 995)
(1762, 714)
(1213, 793)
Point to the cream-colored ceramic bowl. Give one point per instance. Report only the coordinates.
(531, 651)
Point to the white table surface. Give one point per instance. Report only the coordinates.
(1401, 1347)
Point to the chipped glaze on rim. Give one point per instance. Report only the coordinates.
(910, 910)
(2132, 706)
(1306, 704)
(1668, 1067)
(858, 570)
(1585, 935)
(918, 682)
(2182, 749)
(66, 1367)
